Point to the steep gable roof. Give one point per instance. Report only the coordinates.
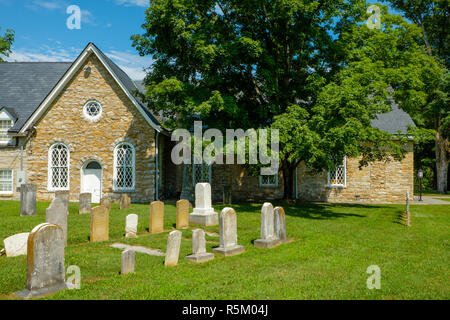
(394, 121)
(31, 89)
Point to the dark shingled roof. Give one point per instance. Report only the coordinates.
(24, 85)
(394, 121)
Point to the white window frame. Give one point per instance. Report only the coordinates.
(339, 185)
(89, 117)
(12, 182)
(268, 185)
(50, 187)
(115, 187)
(5, 116)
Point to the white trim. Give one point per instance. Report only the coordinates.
(88, 117)
(82, 176)
(50, 188)
(269, 185)
(344, 163)
(115, 188)
(65, 79)
(12, 182)
(6, 116)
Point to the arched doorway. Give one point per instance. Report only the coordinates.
(91, 180)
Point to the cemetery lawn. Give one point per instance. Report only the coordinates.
(334, 244)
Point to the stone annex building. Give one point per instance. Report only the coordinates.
(80, 127)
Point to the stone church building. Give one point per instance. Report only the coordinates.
(80, 127)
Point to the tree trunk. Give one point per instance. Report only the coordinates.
(441, 163)
(288, 179)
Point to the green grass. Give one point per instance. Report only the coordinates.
(444, 199)
(334, 244)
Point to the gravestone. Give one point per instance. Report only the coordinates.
(228, 234)
(131, 225)
(127, 265)
(124, 201)
(85, 203)
(203, 213)
(99, 224)
(56, 214)
(268, 237)
(226, 194)
(28, 199)
(16, 245)
(106, 202)
(280, 225)
(45, 262)
(199, 253)
(182, 214)
(173, 248)
(156, 217)
(65, 197)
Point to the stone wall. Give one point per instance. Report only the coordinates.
(120, 121)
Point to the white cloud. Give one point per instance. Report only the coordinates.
(132, 64)
(140, 3)
(50, 5)
(134, 73)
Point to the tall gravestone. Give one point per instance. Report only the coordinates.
(280, 225)
(173, 248)
(85, 203)
(182, 214)
(56, 214)
(156, 217)
(99, 224)
(131, 225)
(199, 253)
(28, 199)
(128, 259)
(228, 234)
(268, 237)
(124, 201)
(203, 213)
(45, 261)
(64, 195)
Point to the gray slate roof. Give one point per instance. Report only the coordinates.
(393, 121)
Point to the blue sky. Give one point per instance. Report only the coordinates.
(42, 34)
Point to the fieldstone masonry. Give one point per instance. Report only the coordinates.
(85, 203)
(182, 214)
(156, 217)
(203, 213)
(199, 253)
(99, 224)
(28, 199)
(173, 248)
(56, 214)
(45, 261)
(228, 234)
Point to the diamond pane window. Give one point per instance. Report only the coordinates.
(92, 110)
(5, 125)
(6, 181)
(338, 176)
(268, 180)
(124, 167)
(59, 167)
(201, 173)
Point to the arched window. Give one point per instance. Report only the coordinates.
(124, 170)
(58, 167)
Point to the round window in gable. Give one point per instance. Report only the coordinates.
(92, 110)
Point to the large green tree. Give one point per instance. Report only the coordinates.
(5, 43)
(433, 19)
(284, 64)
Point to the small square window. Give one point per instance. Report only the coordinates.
(6, 181)
(268, 180)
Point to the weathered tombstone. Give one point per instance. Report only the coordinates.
(268, 237)
(106, 202)
(156, 217)
(173, 248)
(226, 194)
(280, 225)
(199, 253)
(131, 225)
(65, 197)
(56, 214)
(203, 213)
(45, 261)
(16, 245)
(28, 199)
(228, 234)
(127, 265)
(407, 209)
(182, 214)
(124, 201)
(99, 224)
(85, 203)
